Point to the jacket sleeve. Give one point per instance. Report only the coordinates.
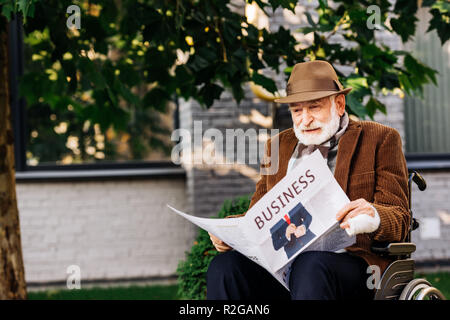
(391, 190)
(279, 239)
(308, 219)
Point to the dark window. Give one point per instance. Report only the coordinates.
(73, 132)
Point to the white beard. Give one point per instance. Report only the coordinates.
(329, 129)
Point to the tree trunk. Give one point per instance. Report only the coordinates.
(12, 278)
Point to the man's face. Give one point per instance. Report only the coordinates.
(317, 121)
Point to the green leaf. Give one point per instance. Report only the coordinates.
(441, 23)
(198, 63)
(310, 19)
(286, 4)
(356, 82)
(355, 106)
(442, 6)
(255, 63)
(209, 93)
(418, 73)
(7, 9)
(306, 30)
(389, 80)
(373, 105)
(288, 70)
(26, 7)
(156, 98)
(265, 82)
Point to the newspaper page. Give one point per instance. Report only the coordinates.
(298, 214)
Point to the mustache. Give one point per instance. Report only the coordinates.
(312, 126)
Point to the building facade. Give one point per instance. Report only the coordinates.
(116, 226)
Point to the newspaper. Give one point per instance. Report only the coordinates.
(298, 214)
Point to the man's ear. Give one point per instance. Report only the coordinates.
(340, 104)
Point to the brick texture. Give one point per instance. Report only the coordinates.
(114, 229)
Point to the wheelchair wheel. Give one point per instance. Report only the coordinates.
(420, 289)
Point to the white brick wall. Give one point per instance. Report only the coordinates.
(434, 203)
(111, 229)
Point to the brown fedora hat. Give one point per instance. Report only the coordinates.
(312, 80)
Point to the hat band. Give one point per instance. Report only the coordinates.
(300, 86)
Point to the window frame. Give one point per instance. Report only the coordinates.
(106, 169)
(428, 161)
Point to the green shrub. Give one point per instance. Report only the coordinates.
(192, 271)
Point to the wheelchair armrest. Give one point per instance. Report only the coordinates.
(395, 249)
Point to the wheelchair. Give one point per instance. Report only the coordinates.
(397, 281)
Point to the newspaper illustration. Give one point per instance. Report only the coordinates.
(298, 214)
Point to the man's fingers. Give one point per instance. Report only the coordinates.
(219, 244)
(290, 230)
(356, 212)
(217, 241)
(345, 225)
(353, 213)
(348, 207)
(345, 210)
(214, 239)
(363, 208)
(222, 247)
(211, 236)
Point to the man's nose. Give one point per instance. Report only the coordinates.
(307, 118)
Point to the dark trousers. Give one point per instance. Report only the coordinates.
(315, 275)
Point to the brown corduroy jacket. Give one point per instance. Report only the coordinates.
(370, 164)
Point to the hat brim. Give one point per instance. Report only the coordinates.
(311, 95)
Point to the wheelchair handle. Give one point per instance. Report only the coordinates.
(418, 179)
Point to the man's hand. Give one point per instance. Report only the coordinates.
(300, 231)
(290, 230)
(353, 209)
(219, 244)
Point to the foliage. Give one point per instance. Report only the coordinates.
(10, 7)
(131, 58)
(377, 67)
(192, 271)
(93, 84)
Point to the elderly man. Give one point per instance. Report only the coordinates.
(368, 163)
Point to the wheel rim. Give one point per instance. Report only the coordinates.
(432, 293)
(413, 287)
